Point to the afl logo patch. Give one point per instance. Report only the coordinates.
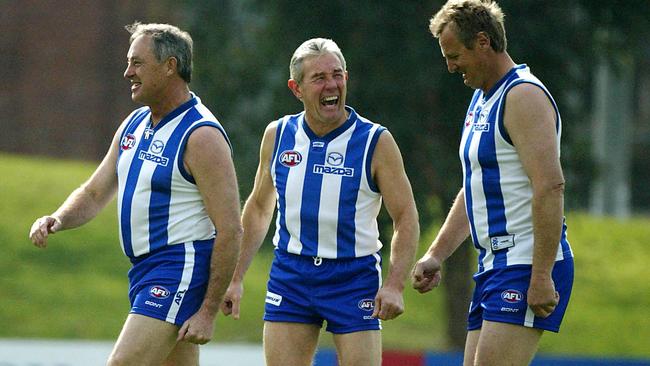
(290, 158)
(127, 142)
(512, 296)
(159, 292)
(367, 304)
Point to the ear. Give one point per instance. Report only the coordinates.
(482, 40)
(295, 88)
(172, 66)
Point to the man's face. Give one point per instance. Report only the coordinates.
(323, 89)
(147, 75)
(460, 59)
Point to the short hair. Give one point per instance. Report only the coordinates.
(311, 48)
(168, 41)
(471, 17)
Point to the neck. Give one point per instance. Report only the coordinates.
(321, 128)
(500, 65)
(174, 98)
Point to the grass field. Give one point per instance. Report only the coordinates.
(76, 288)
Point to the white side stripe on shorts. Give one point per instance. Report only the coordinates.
(186, 278)
(530, 317)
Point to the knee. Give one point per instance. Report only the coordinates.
(119, 359)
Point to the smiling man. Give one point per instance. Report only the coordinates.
(329, 169)
(177, 200)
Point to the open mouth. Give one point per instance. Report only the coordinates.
(327, 101)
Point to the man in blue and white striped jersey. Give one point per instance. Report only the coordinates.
(328, 169)
(177, 201)
(511, 203)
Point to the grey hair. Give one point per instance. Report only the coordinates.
(168, 41)
(311, 48)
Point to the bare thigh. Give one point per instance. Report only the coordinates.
(501, 344)
(290, 343)
(359, 348)
(146, 341)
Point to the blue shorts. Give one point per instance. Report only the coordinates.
(304, 289)
(500, 296)
(170, 283)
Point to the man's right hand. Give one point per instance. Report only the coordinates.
(426, 274)
(231, 299)
(41, 228)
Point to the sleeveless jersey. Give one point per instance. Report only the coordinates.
(327, 201)
(498, 193)
(158, 202)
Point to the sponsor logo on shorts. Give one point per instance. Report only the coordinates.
(159, 292)
(179, 297)
(273, 299)
(509, 310)
(512, 296)
(367, 304)
(154, 304)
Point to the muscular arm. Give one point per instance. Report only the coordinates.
(257, 215)
(84, 203)
(531, 122)
(426, 273)
(208, 159)
(388, 172)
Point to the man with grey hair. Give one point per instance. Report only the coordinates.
(329, 168)
(511, 202)
(177, 200)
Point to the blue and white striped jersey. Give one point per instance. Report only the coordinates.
(326, 198)
(158, 202)
(498, 193)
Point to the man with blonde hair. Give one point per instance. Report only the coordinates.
(511, 202)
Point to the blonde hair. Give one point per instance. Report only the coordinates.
(471, 17)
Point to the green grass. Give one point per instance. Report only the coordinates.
(77, 287)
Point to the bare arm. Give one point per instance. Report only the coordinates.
(208, 159)
(531, 122)
(257, 215)
(395, 188)
(426, 273)
(84, 203)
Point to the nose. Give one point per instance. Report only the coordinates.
(330, 82)
(128, 72)
(451, 66)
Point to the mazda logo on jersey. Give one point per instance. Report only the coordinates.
(334, 159)
(157, 147)
(127, 142)
(290, 158)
